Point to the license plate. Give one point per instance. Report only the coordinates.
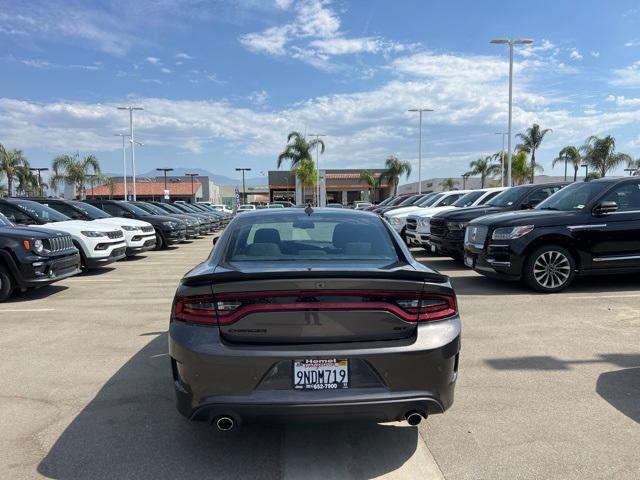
(434, 249)
(469, 261)
(315, 374)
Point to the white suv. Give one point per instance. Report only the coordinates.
(418, 223)
(99, 243)
(398, 217)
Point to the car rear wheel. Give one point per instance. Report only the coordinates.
(549, 269)
(6, 284)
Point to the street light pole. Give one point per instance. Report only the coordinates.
(192, 175)
(420, 110)
(133, 148)
(511, 42)
(165, 170)
(124, 162)
(318, 135)
(502, 158)
(244, 193)
(34, 169)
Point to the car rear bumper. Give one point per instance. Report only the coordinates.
(213, 377)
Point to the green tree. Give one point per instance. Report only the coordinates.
(10, 160)
(601, 156)
(483, 167)
(569, 154)
(395, 168)
(373, 181)
(448, 183)
(27, 181)
(299, 149)
(521, 168)
(531, 141)
(634, 165)
(306, 171)
(110, 183)
(75, 170)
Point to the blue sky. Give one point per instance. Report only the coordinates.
(223, 82)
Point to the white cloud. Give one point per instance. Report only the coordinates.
(595, 54)
(622, 101)
(46, 65)
(632, 43)
(628, 76)
(283, 4)
(184, 56)
(259, 97)
(271, 41)
(575, 54)
(153, 60)
(165, 70)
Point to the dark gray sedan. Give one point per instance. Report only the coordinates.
(313, 314)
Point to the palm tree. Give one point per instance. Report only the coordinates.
(27, 181)
(10, 160)
(110, 183)
(448, 183)
(600, 154)
(531, 141)
(569, 154)
(298, 149)
(484, 168)
(75, 170)
(521, 168)
(306, 171)
(395, 168)
(634, 166)
(373, 181)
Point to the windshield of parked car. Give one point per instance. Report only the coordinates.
(149, 208)
(572, 197)
(41, 212)
(508, 197)
(169, 208)
(386, 201)
(430, 200)
(133, 209)
(318, 237)
(90, 210)
(411, 201)
(468, 199)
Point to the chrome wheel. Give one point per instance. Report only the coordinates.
(552, 269)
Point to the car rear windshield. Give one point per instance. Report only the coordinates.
(90, 210)
(508, 197)
(430, 200)
(41, 212)
(319, 237)
(468, 199)
(572, 197)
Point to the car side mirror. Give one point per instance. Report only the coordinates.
(604, 208)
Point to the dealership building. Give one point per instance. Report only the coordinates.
(343, 186)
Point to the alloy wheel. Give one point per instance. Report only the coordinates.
(552, 269)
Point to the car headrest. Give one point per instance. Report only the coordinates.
(266, 235)
(263, 250)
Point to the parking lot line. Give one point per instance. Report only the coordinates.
(600, 296)
(26, 310)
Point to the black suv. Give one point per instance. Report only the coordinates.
(32, 257)
(169, 230)
(586, 228)
(447, 228)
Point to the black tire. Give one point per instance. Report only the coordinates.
(159, 241)
(83, 258)
(7, 284)
(549, 269)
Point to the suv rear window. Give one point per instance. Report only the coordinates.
(317, 237)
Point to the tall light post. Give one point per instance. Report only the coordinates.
(244, 193)
(133, 149)
(511, 42)
(164, 170)
(420, 110)
(464, 181)
(193, 176)
(124, 162)
(317, 135)
(34, 169)
(502, 158)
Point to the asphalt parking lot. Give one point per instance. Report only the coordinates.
(549, 388)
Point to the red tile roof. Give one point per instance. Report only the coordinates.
(145, 188)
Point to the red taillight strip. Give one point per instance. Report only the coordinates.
(208, 316)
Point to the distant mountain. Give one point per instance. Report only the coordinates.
(217, 179)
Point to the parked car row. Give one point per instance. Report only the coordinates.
(542, 234)
(43, 240)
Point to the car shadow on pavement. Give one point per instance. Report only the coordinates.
(620, 388)
(35, 294)
(131, 429)
(95, 272)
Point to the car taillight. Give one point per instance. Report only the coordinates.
(230, 307)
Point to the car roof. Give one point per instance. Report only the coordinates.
(289, 211)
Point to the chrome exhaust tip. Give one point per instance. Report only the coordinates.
(224, 423)
(414, 418)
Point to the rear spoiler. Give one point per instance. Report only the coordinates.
(227, 276)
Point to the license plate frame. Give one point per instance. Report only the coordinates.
(317, 374)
